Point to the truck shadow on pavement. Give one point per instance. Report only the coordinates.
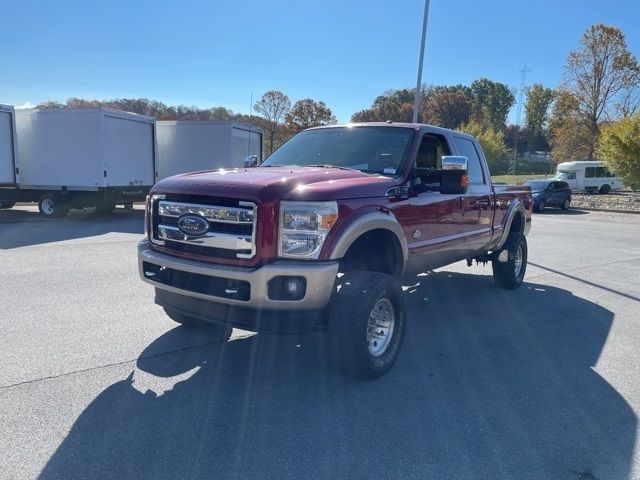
(490, 384)
(21, 228)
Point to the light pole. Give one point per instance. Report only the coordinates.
(416, 103)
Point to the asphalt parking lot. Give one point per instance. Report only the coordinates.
(538, 383)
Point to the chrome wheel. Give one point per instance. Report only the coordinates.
(48, 206)
(380, 327)
(517, 261)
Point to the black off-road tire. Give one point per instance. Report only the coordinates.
(605, 189)
(218, 331)
(52, 206)
(505, 274)
(358, 293)
(6, 205)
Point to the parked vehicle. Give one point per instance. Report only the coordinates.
(74, 158)
(7, 151)
(588, 176)
(191, 146)
(550, 193)
(320, 235)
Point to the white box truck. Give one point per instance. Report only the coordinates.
(74, 158)
(7, 150)
(190, 146)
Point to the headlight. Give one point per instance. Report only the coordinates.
(304, 227)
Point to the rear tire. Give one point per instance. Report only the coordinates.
(6, 205)
(219, 331)
(51, 206)
(510, 273)
(566, 205)
(368, 322)
(606, 188)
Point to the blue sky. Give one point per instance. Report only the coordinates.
(345, 52)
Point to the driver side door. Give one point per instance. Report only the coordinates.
(435, 237)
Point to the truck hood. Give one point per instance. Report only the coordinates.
(267, 184)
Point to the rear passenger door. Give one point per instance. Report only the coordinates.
(476, 206)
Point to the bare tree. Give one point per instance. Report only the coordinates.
(273, 107)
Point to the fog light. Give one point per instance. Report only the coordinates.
(292, 286)
(287, 288)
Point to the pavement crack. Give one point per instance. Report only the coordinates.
(99, 367)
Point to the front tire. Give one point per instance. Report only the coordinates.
(541, 206)
(605, 189)
(566, 205)
(51, 206)
(219, 331)
(368, 322)
(509, 273)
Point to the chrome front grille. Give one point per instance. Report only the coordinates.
(231, 230)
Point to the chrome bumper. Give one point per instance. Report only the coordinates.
(320, 278)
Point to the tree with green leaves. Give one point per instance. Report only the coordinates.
(491, 140)
(491, 102)
(273, 106)
(619, 149)
(539, 99)
(307, 113)
(599, 75)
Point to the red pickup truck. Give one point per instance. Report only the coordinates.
(322, 233)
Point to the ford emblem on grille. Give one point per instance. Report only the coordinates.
(193, 225)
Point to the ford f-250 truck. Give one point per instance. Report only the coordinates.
(321, 234)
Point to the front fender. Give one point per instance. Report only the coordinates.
(358, 224)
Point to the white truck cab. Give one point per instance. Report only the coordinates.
(588, 176)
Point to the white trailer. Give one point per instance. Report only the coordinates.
(73, 158)
(190, 146)
(7, 147)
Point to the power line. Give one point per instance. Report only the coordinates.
(512, 166)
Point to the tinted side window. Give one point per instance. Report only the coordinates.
(590, 172)
(562, 184)
(466, 148)
(600, 172)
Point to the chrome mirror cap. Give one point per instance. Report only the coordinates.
(453, 162)
(251, 161)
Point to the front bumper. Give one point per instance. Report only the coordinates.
(319, 276)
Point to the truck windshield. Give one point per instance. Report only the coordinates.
(562, 175)
(368, 149)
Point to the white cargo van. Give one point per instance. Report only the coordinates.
(589, 176)
(74, 158)
(190, 146)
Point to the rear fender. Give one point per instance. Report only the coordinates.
(516, 207)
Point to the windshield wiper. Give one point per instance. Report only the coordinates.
(328, 165)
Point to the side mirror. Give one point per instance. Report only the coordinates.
(454, 178)
(251, 161)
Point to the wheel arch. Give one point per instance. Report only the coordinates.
(375, 228)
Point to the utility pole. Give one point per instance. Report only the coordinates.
(416, 103)
(512, 166)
